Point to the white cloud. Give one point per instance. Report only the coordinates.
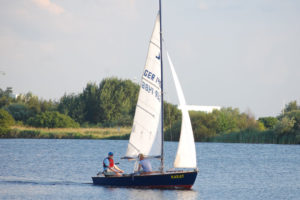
(50, 6)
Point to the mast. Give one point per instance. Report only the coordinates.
(162, 94)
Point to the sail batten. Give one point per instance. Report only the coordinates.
(146, 111)
(145, 136)
(186, 152)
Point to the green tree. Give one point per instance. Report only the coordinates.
(52, 119)
(90, 98)
(5, 97)
(289, 121)
(73, 106)
(204, 125)
(172, 133)
(269, 122)
(32, 102)
(284, 126)
(291, 106)
(117, 101)
(6, 121)
(219, 122)
(295, 114)
(112, 103)
(19, 111)
(226, 120)
(171, 114)
(48, 105)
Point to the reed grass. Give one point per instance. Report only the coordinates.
(67, 133)
(265, 137)
(122, 133)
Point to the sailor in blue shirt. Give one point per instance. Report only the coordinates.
(144, 165)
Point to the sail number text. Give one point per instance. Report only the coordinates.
(150, 88)
(152, 77)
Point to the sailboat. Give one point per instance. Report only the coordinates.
(147, 131)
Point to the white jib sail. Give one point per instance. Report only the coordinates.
(145, 136)
(186, 152)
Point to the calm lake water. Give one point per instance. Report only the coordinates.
(62, 169)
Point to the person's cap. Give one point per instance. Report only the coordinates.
(110, 153)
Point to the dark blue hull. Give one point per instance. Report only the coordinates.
(167, 180)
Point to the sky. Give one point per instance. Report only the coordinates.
(230, 53)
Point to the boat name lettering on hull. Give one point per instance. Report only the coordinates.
(177, 176)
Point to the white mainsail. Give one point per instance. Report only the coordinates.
(186, 152)
(145, 137)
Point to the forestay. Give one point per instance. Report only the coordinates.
(145, 137)
(186, 152)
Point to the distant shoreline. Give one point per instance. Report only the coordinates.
(123, 133)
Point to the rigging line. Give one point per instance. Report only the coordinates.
(162, 88)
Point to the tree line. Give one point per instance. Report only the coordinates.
(229, 125)
(112, 103)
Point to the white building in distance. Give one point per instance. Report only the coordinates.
(207, 109)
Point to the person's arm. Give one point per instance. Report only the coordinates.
(139, 168)
(117, 168)
(114, 170)
(106, 162)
